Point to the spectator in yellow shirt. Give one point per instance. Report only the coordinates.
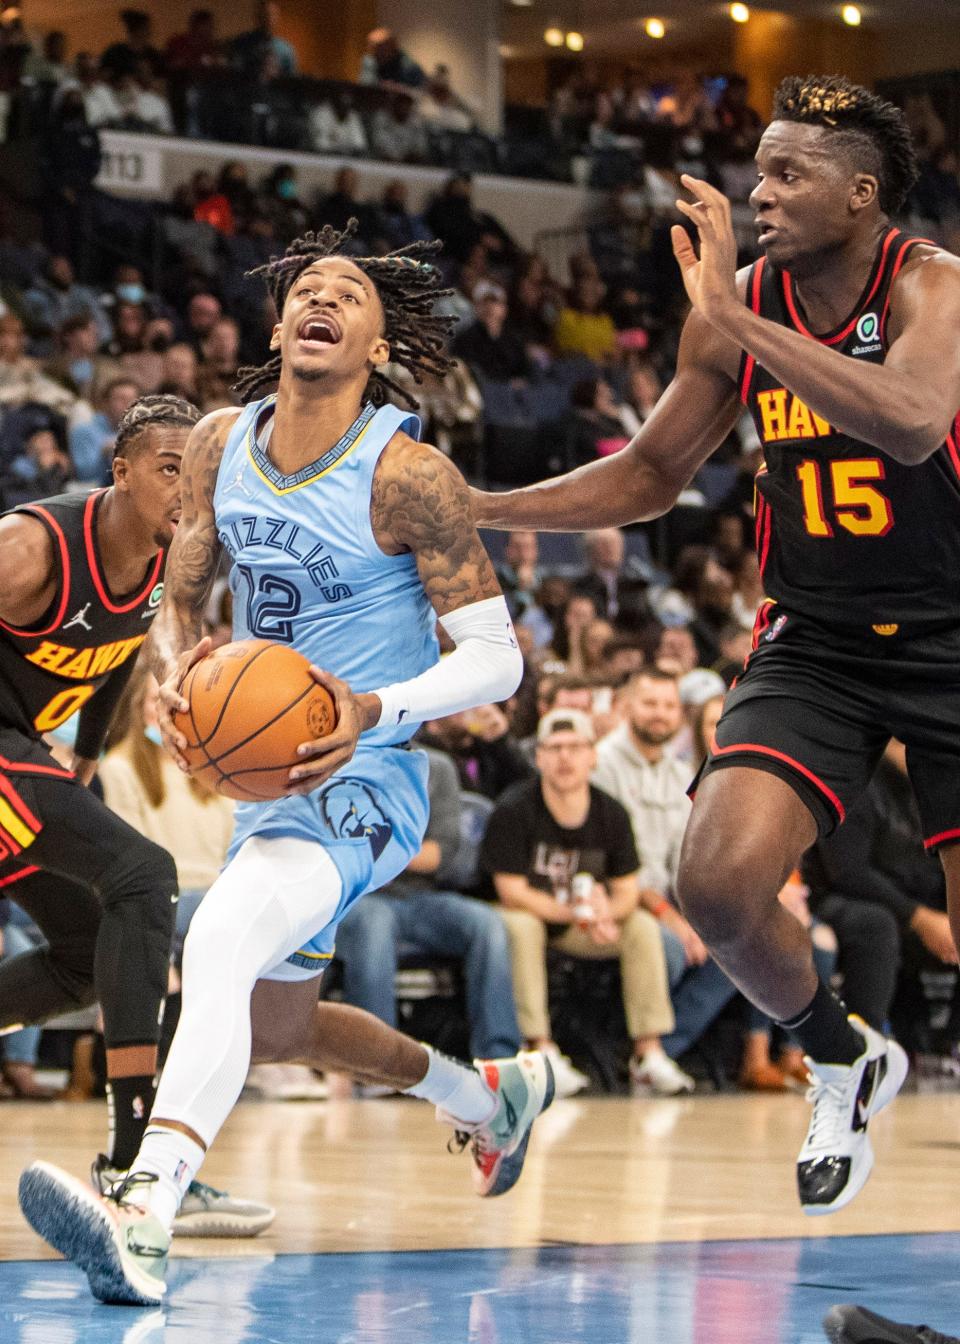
(583, 328)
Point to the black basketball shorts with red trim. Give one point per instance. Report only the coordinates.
(50, 823)
(817, 704)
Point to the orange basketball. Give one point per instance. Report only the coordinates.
(252, 704)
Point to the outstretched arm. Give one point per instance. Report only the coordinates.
(175, 641)
(904, 406)
(691, 419)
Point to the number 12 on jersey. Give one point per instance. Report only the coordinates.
(858, 507)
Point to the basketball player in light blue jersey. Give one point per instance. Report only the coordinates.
(348, 540)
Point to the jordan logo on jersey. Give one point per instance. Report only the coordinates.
(785, 416)
(80, 618)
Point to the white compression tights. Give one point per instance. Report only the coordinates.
(272, 898)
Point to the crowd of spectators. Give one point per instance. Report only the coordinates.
(550, 863)
(542, 905)
(631, 127)
(125, 298)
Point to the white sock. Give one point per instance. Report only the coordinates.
(174, 1159)
(456, 1088)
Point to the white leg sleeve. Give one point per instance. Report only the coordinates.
(271, 899)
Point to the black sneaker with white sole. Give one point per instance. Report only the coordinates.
(837, 1156)
(856, 1325)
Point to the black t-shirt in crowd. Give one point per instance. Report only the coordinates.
(522, 837)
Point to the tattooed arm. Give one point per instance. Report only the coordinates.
(175, 641)
(420, 505)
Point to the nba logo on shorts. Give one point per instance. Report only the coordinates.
(775, 629)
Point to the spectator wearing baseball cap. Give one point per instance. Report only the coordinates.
(560, 856)
(492, 350)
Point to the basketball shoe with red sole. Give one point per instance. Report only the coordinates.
(523, 1087)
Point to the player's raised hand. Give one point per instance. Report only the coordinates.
(323, 757)
(710, 280)
(172, 702)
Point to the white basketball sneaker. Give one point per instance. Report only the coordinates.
(837, 1156)
(118, 1243)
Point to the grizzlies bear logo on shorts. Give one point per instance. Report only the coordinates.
(352, 813)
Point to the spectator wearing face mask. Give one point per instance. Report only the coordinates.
(128, 286)
(77, 364)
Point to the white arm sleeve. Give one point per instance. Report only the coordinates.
(485, 666)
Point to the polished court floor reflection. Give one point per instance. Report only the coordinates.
(642, 1222)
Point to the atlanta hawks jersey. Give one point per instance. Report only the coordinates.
(51, 669)
(845, 534)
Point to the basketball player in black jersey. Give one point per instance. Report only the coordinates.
(842, 342)
(81, 577)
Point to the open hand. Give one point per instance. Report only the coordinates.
(710, 282)
(172, 702)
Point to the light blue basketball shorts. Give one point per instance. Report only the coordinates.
(370, 817)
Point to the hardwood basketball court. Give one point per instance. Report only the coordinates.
(661, 1221)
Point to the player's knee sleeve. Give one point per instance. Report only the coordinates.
(133, 947)
(145, 882)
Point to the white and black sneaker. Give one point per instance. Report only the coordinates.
(837, 1156)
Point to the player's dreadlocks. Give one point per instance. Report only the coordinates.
(408, 285)
(149, 412)
(872, 131)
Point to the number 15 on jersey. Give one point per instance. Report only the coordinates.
(853, 503)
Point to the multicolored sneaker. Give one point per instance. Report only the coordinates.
(205, 1212)
(837, 1156)
(120, 1246)
(524, 1088)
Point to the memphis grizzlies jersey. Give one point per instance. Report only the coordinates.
(307, 570)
